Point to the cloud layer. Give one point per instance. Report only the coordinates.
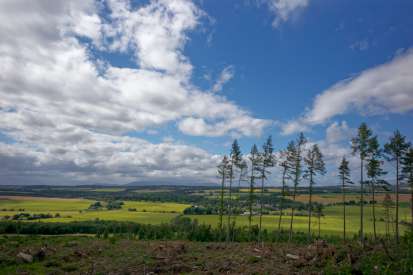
(67, 109)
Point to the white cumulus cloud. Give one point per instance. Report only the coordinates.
(226, 75)
(285, 9)
(384, 89)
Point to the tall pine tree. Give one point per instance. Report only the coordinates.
(255, 161)
(223, 173)
(314, 166)
(407, 170)
(344, 176)
(235, 162)
(395, 150)
(296, 172)
(374, 173)
(242, 177)
(360, 145)
(267, 161)
(286, 162)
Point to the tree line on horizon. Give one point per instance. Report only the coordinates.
(301, 161)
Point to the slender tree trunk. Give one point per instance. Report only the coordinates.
(291, 223)
(344, 209)
(292, 214)
(282, 201)
(310, 206)
(411, 204)
(397, 200)
(250, 202)
(238, 201)
(374, 209)
(230, 204)
(221, 210)
(261, 204)
(361, 203)
(387, 214)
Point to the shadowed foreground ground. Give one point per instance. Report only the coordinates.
(87, 255)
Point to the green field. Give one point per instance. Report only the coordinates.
(76, 209)
(157, 212)
(331, 222)
(38, 204)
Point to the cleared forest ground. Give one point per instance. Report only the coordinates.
(87, 255)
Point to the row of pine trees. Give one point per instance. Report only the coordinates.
(302, 162)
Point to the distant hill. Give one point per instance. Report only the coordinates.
(168, 183)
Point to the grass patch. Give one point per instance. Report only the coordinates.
(76, 209)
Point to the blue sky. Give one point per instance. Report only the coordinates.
(117, 91)
(279, 71)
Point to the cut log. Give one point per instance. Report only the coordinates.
(292, 256)
(27, 258)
